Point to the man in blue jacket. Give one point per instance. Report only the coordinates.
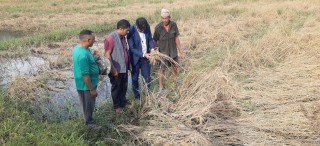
(141, 46)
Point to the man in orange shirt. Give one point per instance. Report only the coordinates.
(166, 37)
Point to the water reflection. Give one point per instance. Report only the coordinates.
(5, 34)
(60, 101)
(64, 99)
(12, 68)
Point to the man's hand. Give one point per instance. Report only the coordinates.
(115, 73)
(94, 93)
(147, 55)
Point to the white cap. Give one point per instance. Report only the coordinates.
(165, 13)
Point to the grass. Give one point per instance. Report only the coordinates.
(258, 34)
(48, 7)
(247, 104)
(50, 28)
(36, 120)
(226, 2)
(210, 99)
(109, 134)
(235, 60)
(212, 58)
(26, 126)
(19, 127)
(67, 33)
(56, 35)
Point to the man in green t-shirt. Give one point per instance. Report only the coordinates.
(86, 73)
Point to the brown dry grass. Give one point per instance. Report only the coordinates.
(264, 91)
(75, 14)
(31, 23)
(162, 58)
(252, 79)
(32, 88)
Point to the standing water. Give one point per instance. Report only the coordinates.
(4, 34)
(26, 66)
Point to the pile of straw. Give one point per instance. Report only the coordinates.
(263, 91)
(158, 57)
(203, 103)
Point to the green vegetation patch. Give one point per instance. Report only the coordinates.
(17, 127)
(56, 35)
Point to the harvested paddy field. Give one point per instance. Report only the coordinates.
(250, 74)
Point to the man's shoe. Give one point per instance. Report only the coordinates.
(94, 126)
(118, 110)
(137, 101)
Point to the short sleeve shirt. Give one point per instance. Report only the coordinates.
(109, 44)
(166, 39)
(84, 65)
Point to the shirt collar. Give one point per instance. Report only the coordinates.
(168, 24)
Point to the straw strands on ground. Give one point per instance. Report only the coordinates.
(197, 115)
(264, 91)
(25, 88)
(32, 88)
(252, 78)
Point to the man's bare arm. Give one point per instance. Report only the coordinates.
(113, 69)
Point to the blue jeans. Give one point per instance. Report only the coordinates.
(143, 65)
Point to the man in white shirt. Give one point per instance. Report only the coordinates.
(140, 46)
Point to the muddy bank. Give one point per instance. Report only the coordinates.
(26, 66)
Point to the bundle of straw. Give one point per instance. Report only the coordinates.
(156, 56)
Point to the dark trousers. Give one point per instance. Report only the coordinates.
(119, 89)
(143, 65)
(87, 102)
